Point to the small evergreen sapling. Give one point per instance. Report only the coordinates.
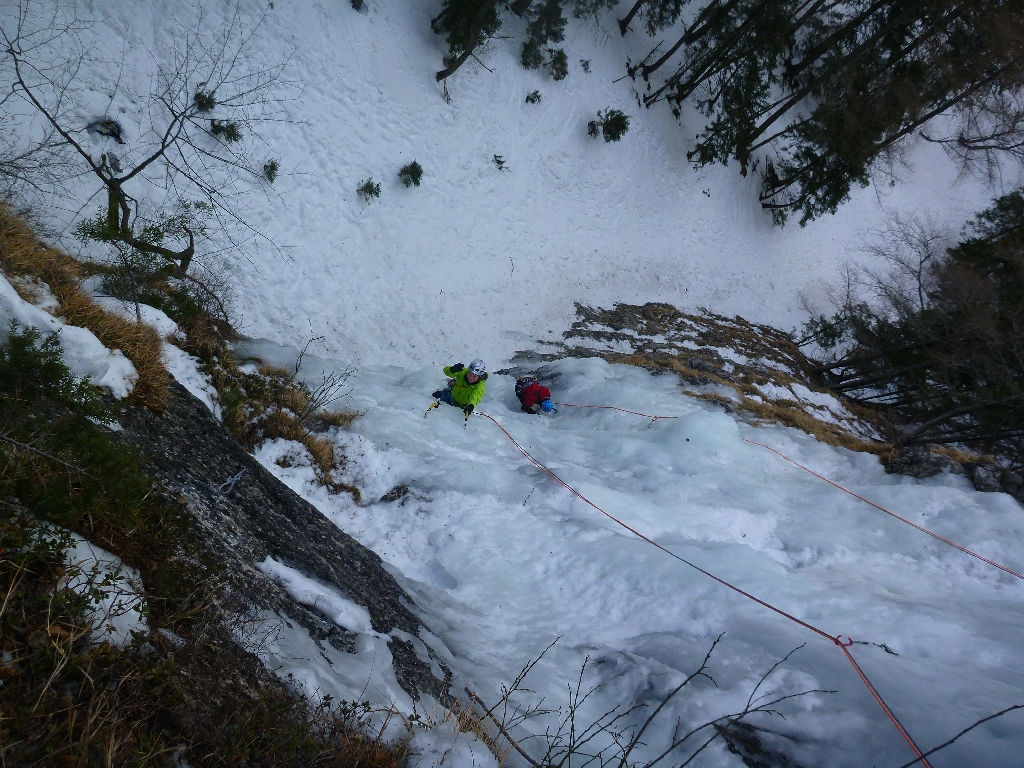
(500, 162)
(411, 174)
(203, 101)
(368, 189)
(270, 169)
(612, 124)
(585, 64)
(533, 98)
(227, 130)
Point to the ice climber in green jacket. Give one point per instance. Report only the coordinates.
(466, 386)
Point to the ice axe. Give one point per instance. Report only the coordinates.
(432, 407)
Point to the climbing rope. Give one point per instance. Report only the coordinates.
(893, 514)
(837, 639)
(614, 408)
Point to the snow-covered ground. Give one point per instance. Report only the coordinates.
(475, 262)
(502, 561)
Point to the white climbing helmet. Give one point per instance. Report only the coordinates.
(477, 367)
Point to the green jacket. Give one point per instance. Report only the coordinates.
(464, 394)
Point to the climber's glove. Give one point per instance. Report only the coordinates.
(468, 410)
(457, 367)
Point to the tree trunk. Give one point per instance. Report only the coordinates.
(624, 23)
(112, 206)
(961, 411)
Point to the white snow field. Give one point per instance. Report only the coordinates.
(478, 262)
(475, 261)
(502, 561)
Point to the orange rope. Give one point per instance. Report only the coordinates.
(882, 704)
(893, 514)
(836, 639)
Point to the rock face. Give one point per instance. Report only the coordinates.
(921, 464)
(705, 347)
(243, 514)
(988, 478)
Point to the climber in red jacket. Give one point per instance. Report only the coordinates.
(531, 393)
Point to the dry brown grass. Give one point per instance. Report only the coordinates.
(467, 713)
(785, 412)
(667, 363)
(342, 418)
(22, 254)
(271, 404)
(194, 694)
(962, 457)
(692, 346)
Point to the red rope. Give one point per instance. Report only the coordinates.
(893, 514)
(837, 485)
(614, 408)
(836, 639)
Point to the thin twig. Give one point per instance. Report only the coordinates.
(49, 456)
(502, 730)
(965, 730)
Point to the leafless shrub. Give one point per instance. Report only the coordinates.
(988, 131)
(612, 738)
(174, 155)
(908, 248)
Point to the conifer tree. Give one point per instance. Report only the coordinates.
(812, 93)
(464, 24)
(941, 348)
(547, 25)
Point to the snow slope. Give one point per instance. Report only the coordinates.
(502, 561)
(475, 262)
(84, 354)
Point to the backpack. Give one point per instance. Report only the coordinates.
(522, 383)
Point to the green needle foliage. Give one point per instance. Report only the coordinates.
(270, 169)
(411, 174)
(813, 95)
(204, 102)
(58, 463)
(558, 63)
(459, 19)
(611, 123)
(368, 189)
(227, 130)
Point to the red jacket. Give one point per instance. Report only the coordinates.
(533, 394)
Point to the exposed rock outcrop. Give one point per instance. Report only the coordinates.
(242, 514)
(921, 463)
(751, 369)
(986, 477)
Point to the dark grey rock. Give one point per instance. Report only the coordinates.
(1013, 484)
(396, 493)
(920, 463)
(242, 513)
(985, 477)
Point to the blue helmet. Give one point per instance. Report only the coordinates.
(546, 406)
